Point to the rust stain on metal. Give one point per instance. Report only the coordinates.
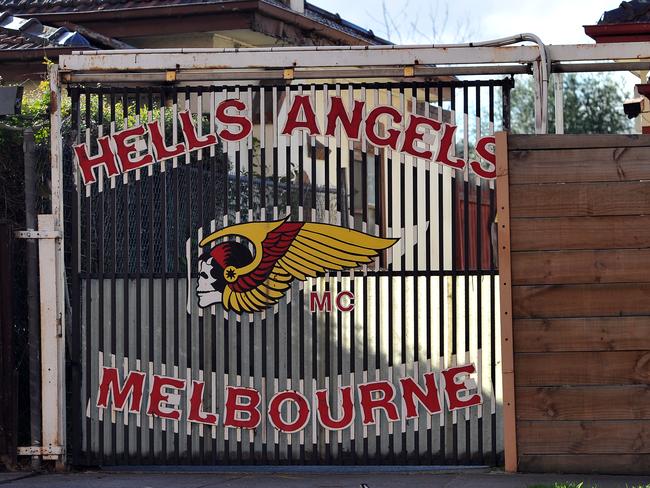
(54, 101)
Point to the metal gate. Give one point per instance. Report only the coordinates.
(425, 304)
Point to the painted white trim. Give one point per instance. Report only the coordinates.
(342, 56)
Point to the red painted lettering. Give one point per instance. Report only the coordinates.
(338, 112)
(245, 126)
(341, 298)
(192, 139)
(324, 303)
(110, 385)
(483, 151)
(411, 135)
(158, 142)
(446, 143)
(324, 412)
(453, 388)
(301, 103)
(158, 398)
(126, 149)
(196, 413)
(370, 403)
(105, 158)
(393, 134)
(242, 415)
(275, 414)
(428, 398)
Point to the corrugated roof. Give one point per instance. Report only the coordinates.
(33, 7)
(40, 7)
(11, 42)
(628, 12)
(28, 32)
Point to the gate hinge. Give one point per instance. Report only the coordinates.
(37, 234)
(39, 451)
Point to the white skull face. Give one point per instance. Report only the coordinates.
(206, 288)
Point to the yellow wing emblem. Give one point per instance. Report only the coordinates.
(284, 251)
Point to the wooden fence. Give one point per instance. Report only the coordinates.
(574, 249)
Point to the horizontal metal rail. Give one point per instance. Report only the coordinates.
(188, 66)
(138, 77)
(189, 76)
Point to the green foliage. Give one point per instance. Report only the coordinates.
(35, 114)
(581, 484)
(11, 176)
(593, 104)
(561, 485)
(123, 113)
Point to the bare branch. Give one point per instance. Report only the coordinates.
(401, 24)
(386, 18)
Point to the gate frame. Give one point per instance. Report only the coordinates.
(52, 295)
(187, 65)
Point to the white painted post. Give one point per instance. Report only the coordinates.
(541, 91)
(559, 103)
(52, 344)
(52, 282)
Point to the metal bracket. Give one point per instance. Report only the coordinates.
(409, 71)
(59, 326)
(38, 234)
(288, 73)
(40, 451)
(170, 76)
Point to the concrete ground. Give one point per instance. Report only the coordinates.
(269, 479)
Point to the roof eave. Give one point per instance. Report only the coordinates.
(306, 23)
(174, 10)
(623, 32)
(34, 54)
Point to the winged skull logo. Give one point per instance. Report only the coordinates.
(283, 251)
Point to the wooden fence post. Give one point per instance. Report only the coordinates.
(505, 292)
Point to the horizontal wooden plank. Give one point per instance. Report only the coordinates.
(573, 267)
(598, 300)
(582, 368)
(583, 403)
(579, 165)
(621, 232)
(582, 334)
(586, 437)
(580, 199)
(574, 141)
(632, 464)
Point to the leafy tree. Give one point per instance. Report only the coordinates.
(593, 104)
(34, 114)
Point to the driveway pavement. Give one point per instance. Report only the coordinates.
(269, 479)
